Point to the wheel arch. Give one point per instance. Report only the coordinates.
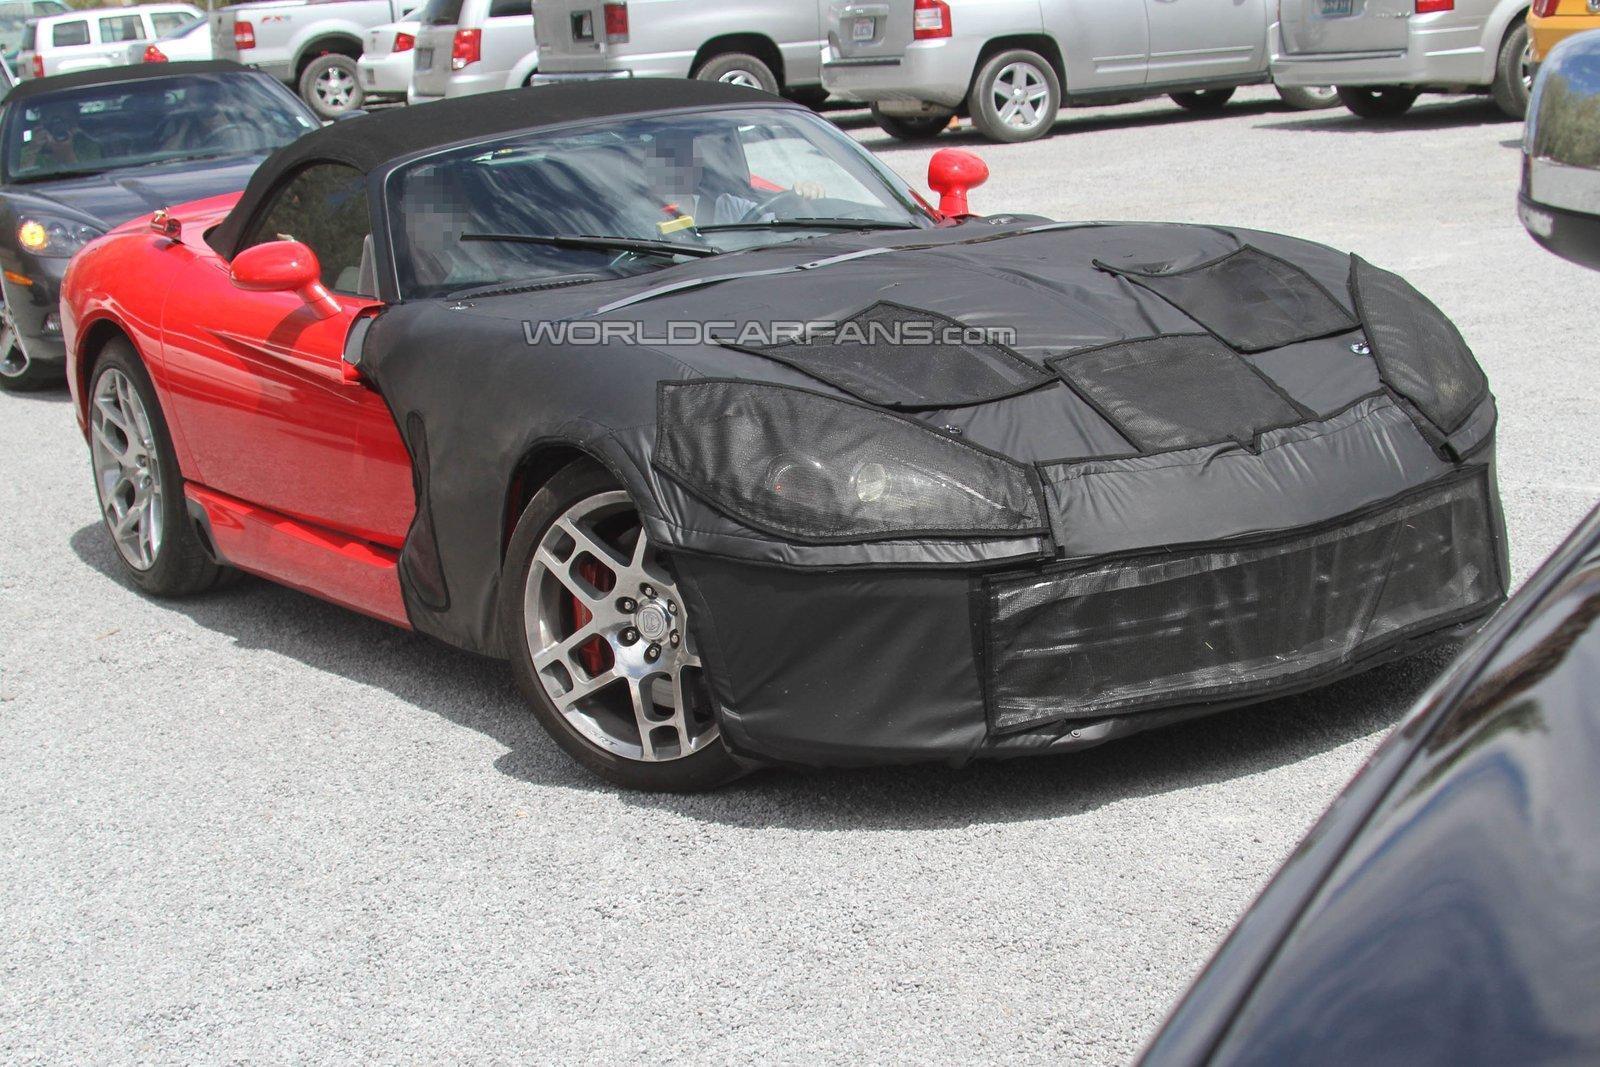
(542, 462)
(92, 343)
(1042, 43)
(759, 45)
(1506, 17)
(340, 43)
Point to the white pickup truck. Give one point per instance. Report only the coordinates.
(309, 45)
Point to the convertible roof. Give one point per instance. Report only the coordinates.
(367, 142)
(26, 90)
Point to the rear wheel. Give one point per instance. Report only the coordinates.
(138, 483)
(1377, 102)
(1203, 100)
(910, 127)
(18, 373)
(1513, 72)
(738, 68)
(601, 643)
(1308, 97)
(331, 86)
(1015, 97)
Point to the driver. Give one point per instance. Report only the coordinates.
(204, 119)
(677, 174)
(57, 139)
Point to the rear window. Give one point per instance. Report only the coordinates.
(67, 34)
(165, 22)
(441, 13)
(117, 28)
(30, 33)
(499, 9)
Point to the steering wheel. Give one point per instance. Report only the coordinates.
(787, 197)
(232, 134)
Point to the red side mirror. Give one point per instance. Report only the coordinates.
(951, 172)
(284, 266)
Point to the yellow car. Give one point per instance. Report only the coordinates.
(1553, 21)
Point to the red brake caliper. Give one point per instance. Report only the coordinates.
(593, 652)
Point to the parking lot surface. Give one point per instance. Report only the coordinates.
(255, 826)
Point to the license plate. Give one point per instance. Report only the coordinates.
(861, 30)
(424, 59)
(1333, 9)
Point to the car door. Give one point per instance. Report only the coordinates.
(1199, 40)
(259, 388)
(1105, 44)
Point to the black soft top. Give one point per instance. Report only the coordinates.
(27, 90)
(368, 142)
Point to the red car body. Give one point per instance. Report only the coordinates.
(297, 471)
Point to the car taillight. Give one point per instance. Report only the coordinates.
(466, 49)
(404, 42)
(152, 54)
(38, 66)
(931, 19)
(616, 15)
(1545, 8)
(244, 35)
(1429, 7)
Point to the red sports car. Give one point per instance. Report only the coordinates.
(673, 396)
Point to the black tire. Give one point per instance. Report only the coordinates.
(182, 566)
(320, 96)
(910, 127)
(739, 68)
(986, 116)
(708, 768)
(1204, 101)
(1307, 98)
(1513, 72)
(1378, 101)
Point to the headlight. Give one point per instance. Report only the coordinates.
(804, 465)
(46, 235)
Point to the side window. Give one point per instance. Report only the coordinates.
(165, 22)
(117, 28)
(67, 34)
(325, 207)
(499, 9)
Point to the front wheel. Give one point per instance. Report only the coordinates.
(1308, 97)
(18, 373)
(330, 84)
(601, 645)
(738, 68)
(1377, 103)
(1015, 97)
(910, 127)
(1513, 72)
(1204, 101)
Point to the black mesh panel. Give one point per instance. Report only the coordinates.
(1237, 621)
(1420, 353)
(908, 358)
(1250, 299)
(420, 565)
(814, 468)
(1176, 391)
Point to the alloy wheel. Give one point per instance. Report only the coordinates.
(1020, 90)
(334, 87)
(13, 360)
(746, 78)
(127, 471)
(1525, 66)
(608, 635)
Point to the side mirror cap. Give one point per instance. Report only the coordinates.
(951, 172)
(281, 267)
(1559, 204)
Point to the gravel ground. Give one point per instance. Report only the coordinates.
(253, 826)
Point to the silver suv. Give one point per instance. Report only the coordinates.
(767, 44)
(1012, 64)
(472, 46)
(1383, 53)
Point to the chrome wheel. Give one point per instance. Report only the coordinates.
(335, 88)
(1525, 67)
(13, 360)
(746, 78)
(608, 637)
(127, 471)
(1019, 92)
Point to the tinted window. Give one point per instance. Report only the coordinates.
(508, 8)
(120, 28)
(325, 207)
(441, 13)
(104, 127)
(165, 22)
(66, 34)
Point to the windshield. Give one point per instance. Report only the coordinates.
(707, 183)
(129, 124)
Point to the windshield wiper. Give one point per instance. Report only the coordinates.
(810, 224)
(59, 176)
(603, 244)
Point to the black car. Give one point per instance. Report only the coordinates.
(1446, 910)
(81, 153)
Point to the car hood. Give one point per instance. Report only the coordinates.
(110, 199)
